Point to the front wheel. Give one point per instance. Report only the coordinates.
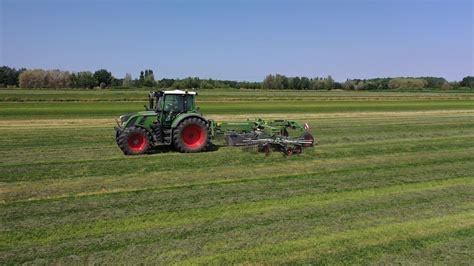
(134, 141)
(192, 135)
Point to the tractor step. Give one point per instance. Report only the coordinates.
(167, 136)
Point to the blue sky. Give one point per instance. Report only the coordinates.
(242, 40)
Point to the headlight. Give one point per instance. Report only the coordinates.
(125, 117)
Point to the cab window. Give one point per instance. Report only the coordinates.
(189, 102)
(175, 103)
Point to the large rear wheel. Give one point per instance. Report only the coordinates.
(192, 135)
(134, 141)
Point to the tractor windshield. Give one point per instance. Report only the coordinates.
(178, 103)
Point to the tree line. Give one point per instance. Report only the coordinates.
(39, 78)
(327, 83)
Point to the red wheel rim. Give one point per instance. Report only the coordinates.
(136, 142)
(193, 136)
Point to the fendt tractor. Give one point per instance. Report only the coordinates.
(172, 118)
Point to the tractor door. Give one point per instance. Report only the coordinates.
(172, 106)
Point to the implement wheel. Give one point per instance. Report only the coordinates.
(134, 141)
(192, 135)
(307, 137)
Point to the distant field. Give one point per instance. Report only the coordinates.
(391, 181)
(44, 104)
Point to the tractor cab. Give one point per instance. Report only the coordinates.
(170, 104)
(176, 101)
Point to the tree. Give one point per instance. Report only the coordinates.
(467, 82)
(39, 78)
(165, 83)
(280, 82)
(349, 84)
(330, 83)
(294, 83)
(103, 78)
(9, 76)
(253, 85)
(268, 82)
(84, 79)
(87, 79)
(407, 83)
(141, 79)
(187, 83)
(206, 84)
(149, 78)
(178, 84)
(116, 82)
(446, 86)
(57, 79)
(31, 79)
(127, 80)
(304, 83)
(434, 82)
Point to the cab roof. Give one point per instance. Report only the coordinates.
(180, 92)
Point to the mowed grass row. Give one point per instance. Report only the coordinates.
(381, 187)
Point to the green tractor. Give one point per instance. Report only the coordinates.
(172, 118)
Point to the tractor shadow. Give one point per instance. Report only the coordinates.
(168, 148)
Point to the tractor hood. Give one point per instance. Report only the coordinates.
(125, 119)
(146, 113)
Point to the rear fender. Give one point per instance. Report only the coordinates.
(182, 117)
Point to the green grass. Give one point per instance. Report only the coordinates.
(391, 181)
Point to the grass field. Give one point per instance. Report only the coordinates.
(391, 181)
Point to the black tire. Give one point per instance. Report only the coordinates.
(117, 136)
(265, 148)
(297, 150)
(133, 141)
(191, 135)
